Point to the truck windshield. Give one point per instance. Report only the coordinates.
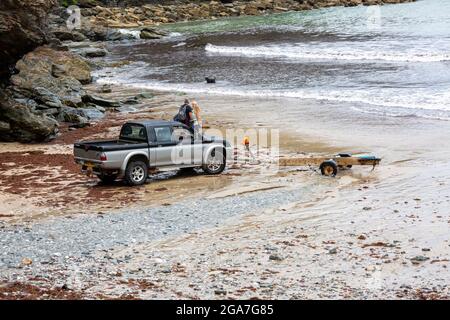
(133, 132)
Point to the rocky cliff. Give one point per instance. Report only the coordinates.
(41, 82)
(22, 28)
(23, 25)
(39, 85)
(155, 12)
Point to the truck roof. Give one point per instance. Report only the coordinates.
(155, 123)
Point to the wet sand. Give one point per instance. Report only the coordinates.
(42, 180)
(363, 234)
(369, 234)
(365, 228)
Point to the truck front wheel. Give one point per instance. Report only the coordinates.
(136, 173)
(215, 163)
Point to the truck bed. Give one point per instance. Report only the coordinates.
(91, 150)
(110, 145)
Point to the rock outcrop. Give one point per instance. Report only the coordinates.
(19, 123)
(51, 77)
(86, 31)
(48, 87)
(39, 84)
(136, 13)
(152, 33)
(22, 28)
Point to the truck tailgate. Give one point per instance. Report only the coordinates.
(83, 153)
(91, 150)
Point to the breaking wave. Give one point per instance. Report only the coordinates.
(328, 52)
(422, 104)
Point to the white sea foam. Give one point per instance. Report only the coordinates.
(388, 99)
(329, 52)
(180, 44)
(135, 33)
(175, 34)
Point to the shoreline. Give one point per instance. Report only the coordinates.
(160, 14)
(50, 166)
(352, 223)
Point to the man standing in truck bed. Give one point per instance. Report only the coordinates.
(186, 115)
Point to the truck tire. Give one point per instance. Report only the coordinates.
(136, 173)
(107, 178)
(215, 162)
(329, 168)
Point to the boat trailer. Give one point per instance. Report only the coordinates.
(329, 165)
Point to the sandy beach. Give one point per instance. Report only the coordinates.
(323, 82)
(363, 234)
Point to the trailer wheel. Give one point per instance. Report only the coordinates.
(329, 168)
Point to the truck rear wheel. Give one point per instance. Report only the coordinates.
(215, 162)
(329, 168)
(136, 173)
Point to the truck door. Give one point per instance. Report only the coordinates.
(152, 146)
(163, 146)
(185, 152)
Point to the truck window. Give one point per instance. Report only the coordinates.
(181, 135)
(163, 134)
(133, 132)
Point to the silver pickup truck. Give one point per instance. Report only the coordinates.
(147, 145)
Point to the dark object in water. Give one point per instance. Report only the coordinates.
(210, 80)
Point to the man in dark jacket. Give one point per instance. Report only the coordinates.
(185, 114)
